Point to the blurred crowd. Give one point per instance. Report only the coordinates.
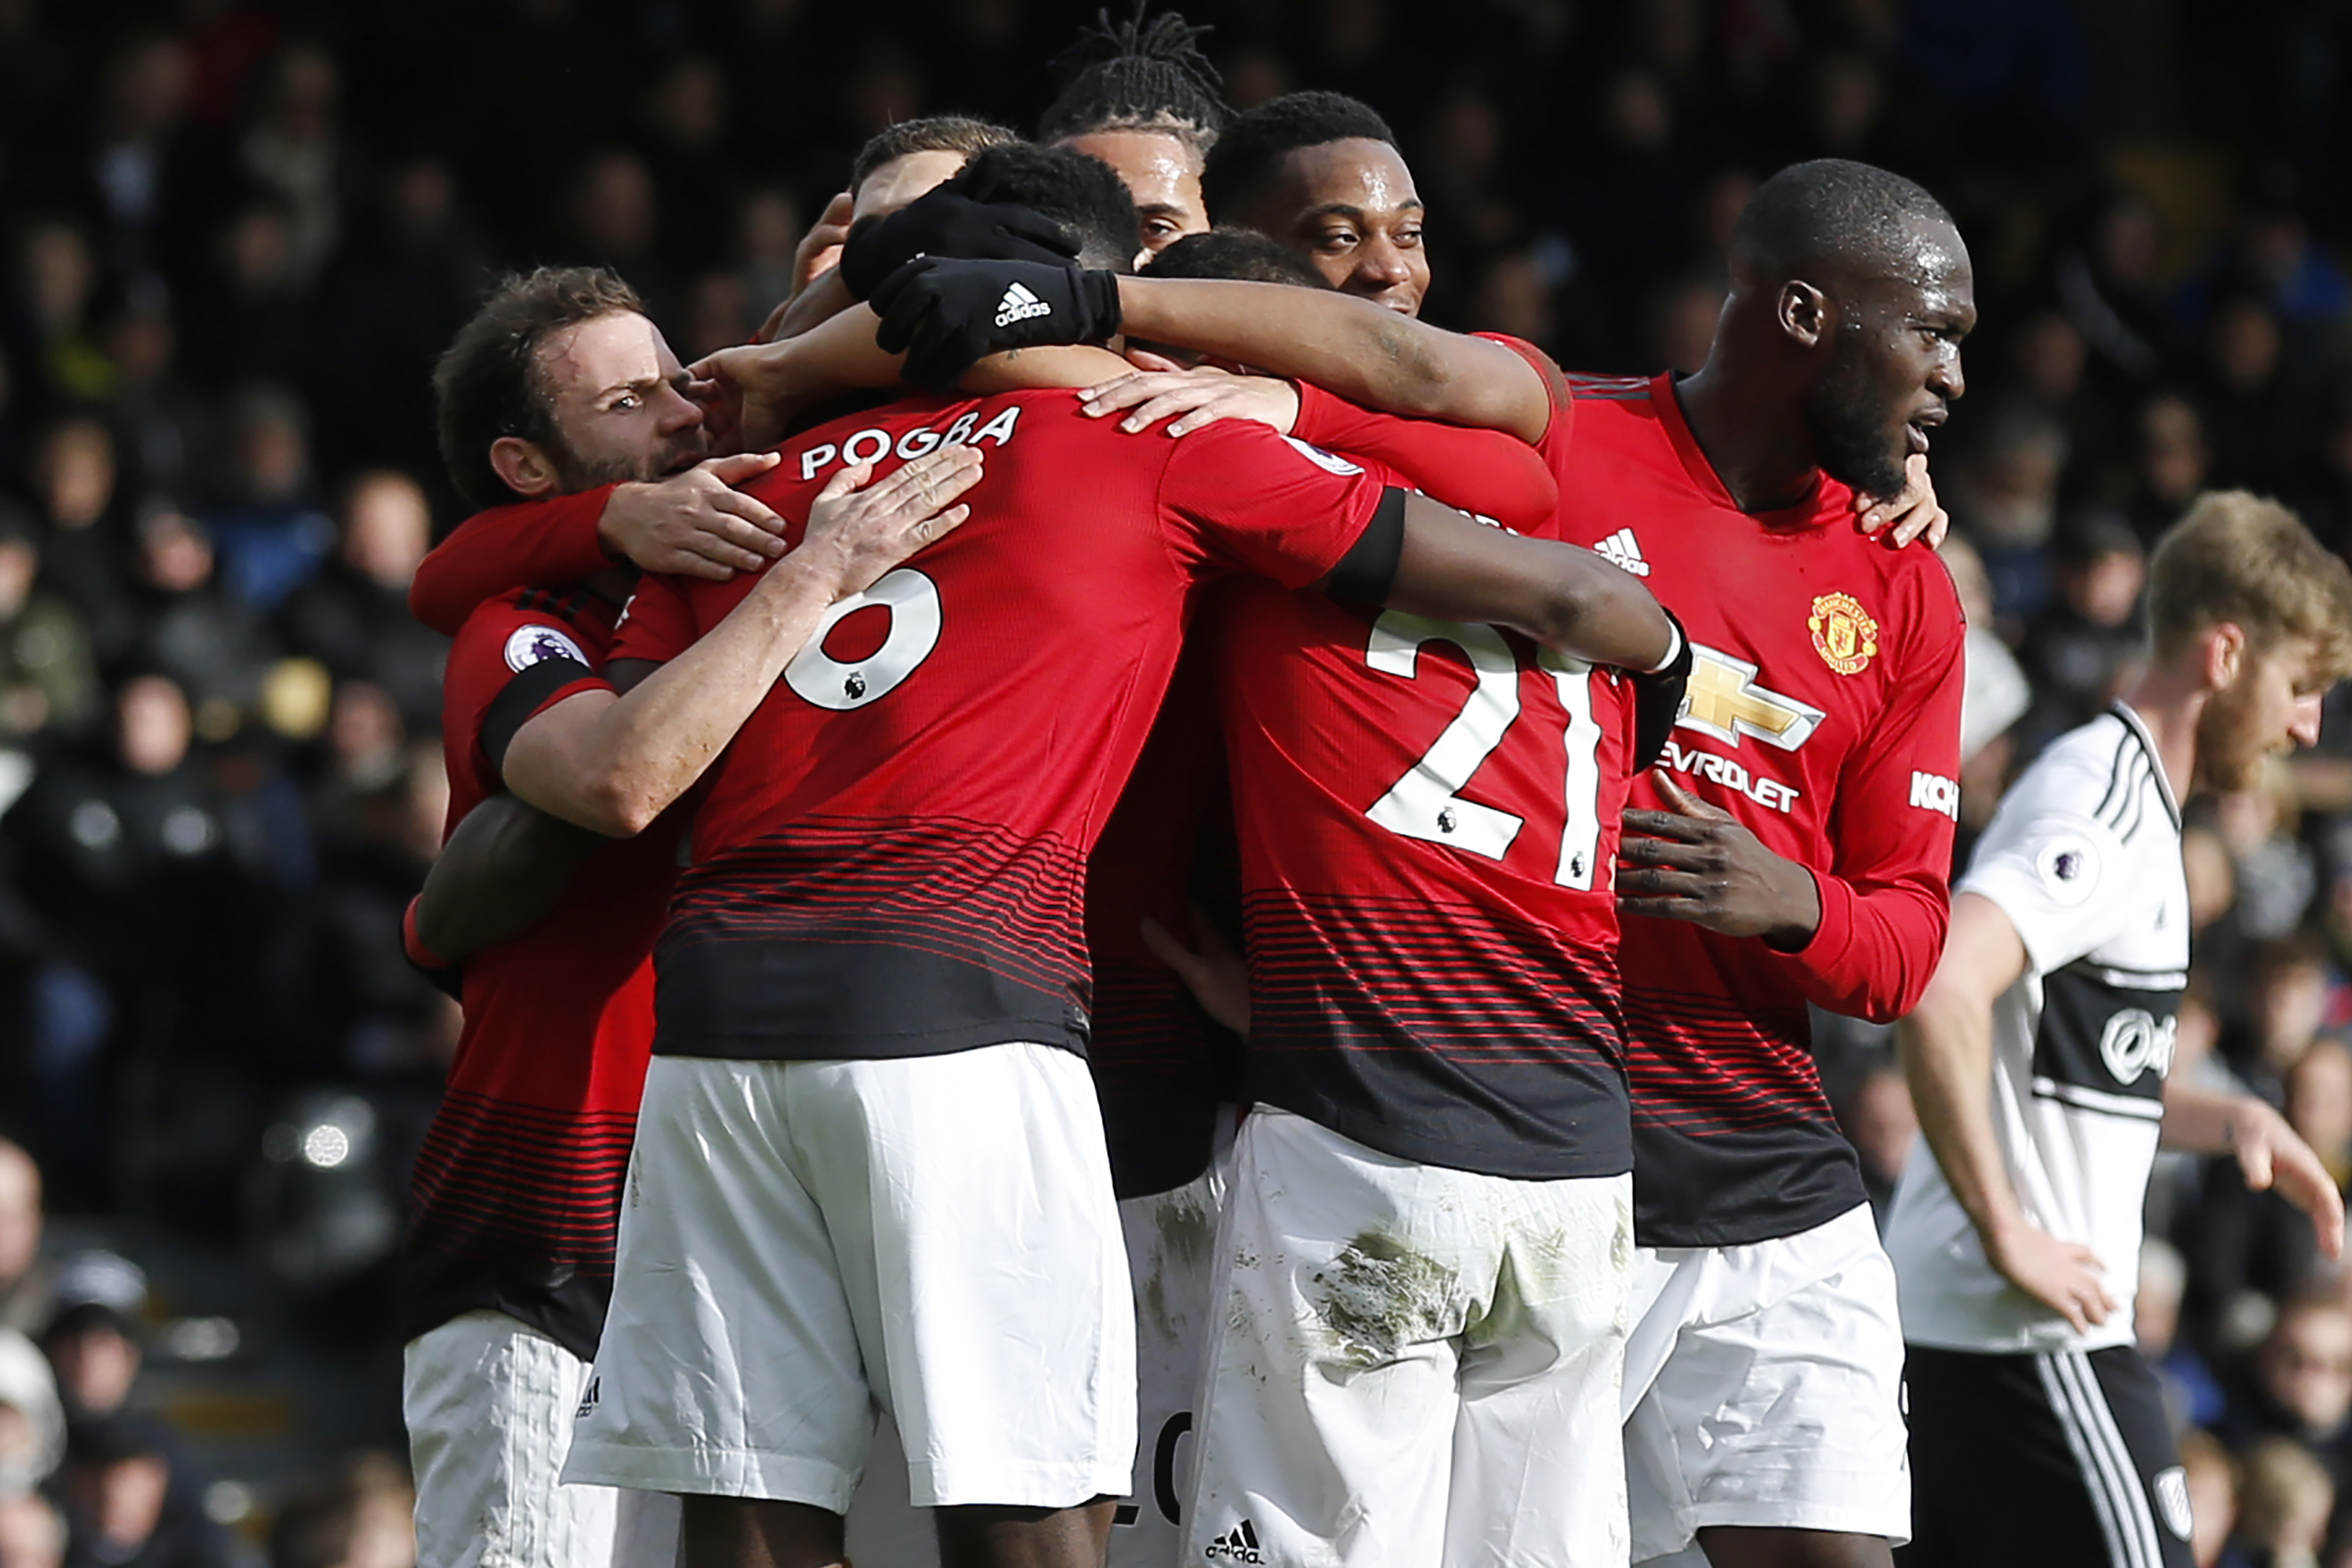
(234, 234)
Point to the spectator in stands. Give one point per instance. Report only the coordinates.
(358, 1518)
(2301, 1386)
(24, 1301)
(73, 482)
(2084, 647)
(94, 1351)
(32, 1531)
(116, 1482)
(268, 527)
(353, 616)
(2285, 1497)
(214, 644)
(2211, 1478)
(32, 1421)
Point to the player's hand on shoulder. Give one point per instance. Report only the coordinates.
(1912, 513)
(858, 530)
(2272, 1154)
(1696, 862)
(2063, 1276)
(695, 523)
(1163, 389)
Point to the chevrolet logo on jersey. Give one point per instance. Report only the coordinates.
(1725, 702)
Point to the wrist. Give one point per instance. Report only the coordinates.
(612, 523)
(1801, 911)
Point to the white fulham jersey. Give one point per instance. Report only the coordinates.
(2083, 857)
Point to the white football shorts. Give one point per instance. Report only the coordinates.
(805, 1242)
(1763, 1387)
(1411, 1364)
(489, 1402)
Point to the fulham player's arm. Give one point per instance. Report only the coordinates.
(1945, 1044)
(612, 763)
(2270, 1153)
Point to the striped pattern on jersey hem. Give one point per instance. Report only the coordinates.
(2109, 1473)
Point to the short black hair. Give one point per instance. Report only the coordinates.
(1250, 147)
(1138, 76)
(1083, 193)
(1234, 252)
(930, 133)
(489, 382)
(1833, 209)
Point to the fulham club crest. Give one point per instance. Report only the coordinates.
(1845, 638)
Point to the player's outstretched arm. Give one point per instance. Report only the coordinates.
(2270, 1152)
(691, 524)
(614, 763)
(945, 313)
(1451, 568)
(1945, 1044)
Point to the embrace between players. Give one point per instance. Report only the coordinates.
(864, 836)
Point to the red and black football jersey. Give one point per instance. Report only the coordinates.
(516, 1197)
(890, 859)
(1825, 714)
(1160, 1066)
(1429, 814)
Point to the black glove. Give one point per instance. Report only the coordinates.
(1659, 701)
(950, 222)
(944, 315)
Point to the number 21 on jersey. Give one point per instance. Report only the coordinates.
(1427, 804)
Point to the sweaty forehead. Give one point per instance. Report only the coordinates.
(1358, 173)
(610, 350)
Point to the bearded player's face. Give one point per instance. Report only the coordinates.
(1892, 366)
(621, 406)
(2271, 708)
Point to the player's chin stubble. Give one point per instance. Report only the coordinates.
(1848, 423)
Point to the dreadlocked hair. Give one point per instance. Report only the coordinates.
(1137, 75)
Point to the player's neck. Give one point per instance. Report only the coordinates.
(2168, 702)
(1746, 430)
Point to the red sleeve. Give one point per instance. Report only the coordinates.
(549, 541)
(1244, 499)
(1556, 435)
(507, 664)
(1887, 902)
(658, 624)
(1484, 472)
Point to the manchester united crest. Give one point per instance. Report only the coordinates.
(1843, 635)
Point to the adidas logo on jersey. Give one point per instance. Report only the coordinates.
(1018, 305)
(1619, 548)
(1238, 1544)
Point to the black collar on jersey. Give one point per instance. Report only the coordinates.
(2154, 762)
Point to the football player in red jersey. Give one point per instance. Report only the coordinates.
(1804, 854)
(558, 383)
(1142, 97)
(874, 961)
(1320, 173)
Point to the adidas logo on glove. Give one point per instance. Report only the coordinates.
(1238, 1544)
(1018, 305)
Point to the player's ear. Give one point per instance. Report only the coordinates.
(2223, 651)
(523, 466)
(1804, 312)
